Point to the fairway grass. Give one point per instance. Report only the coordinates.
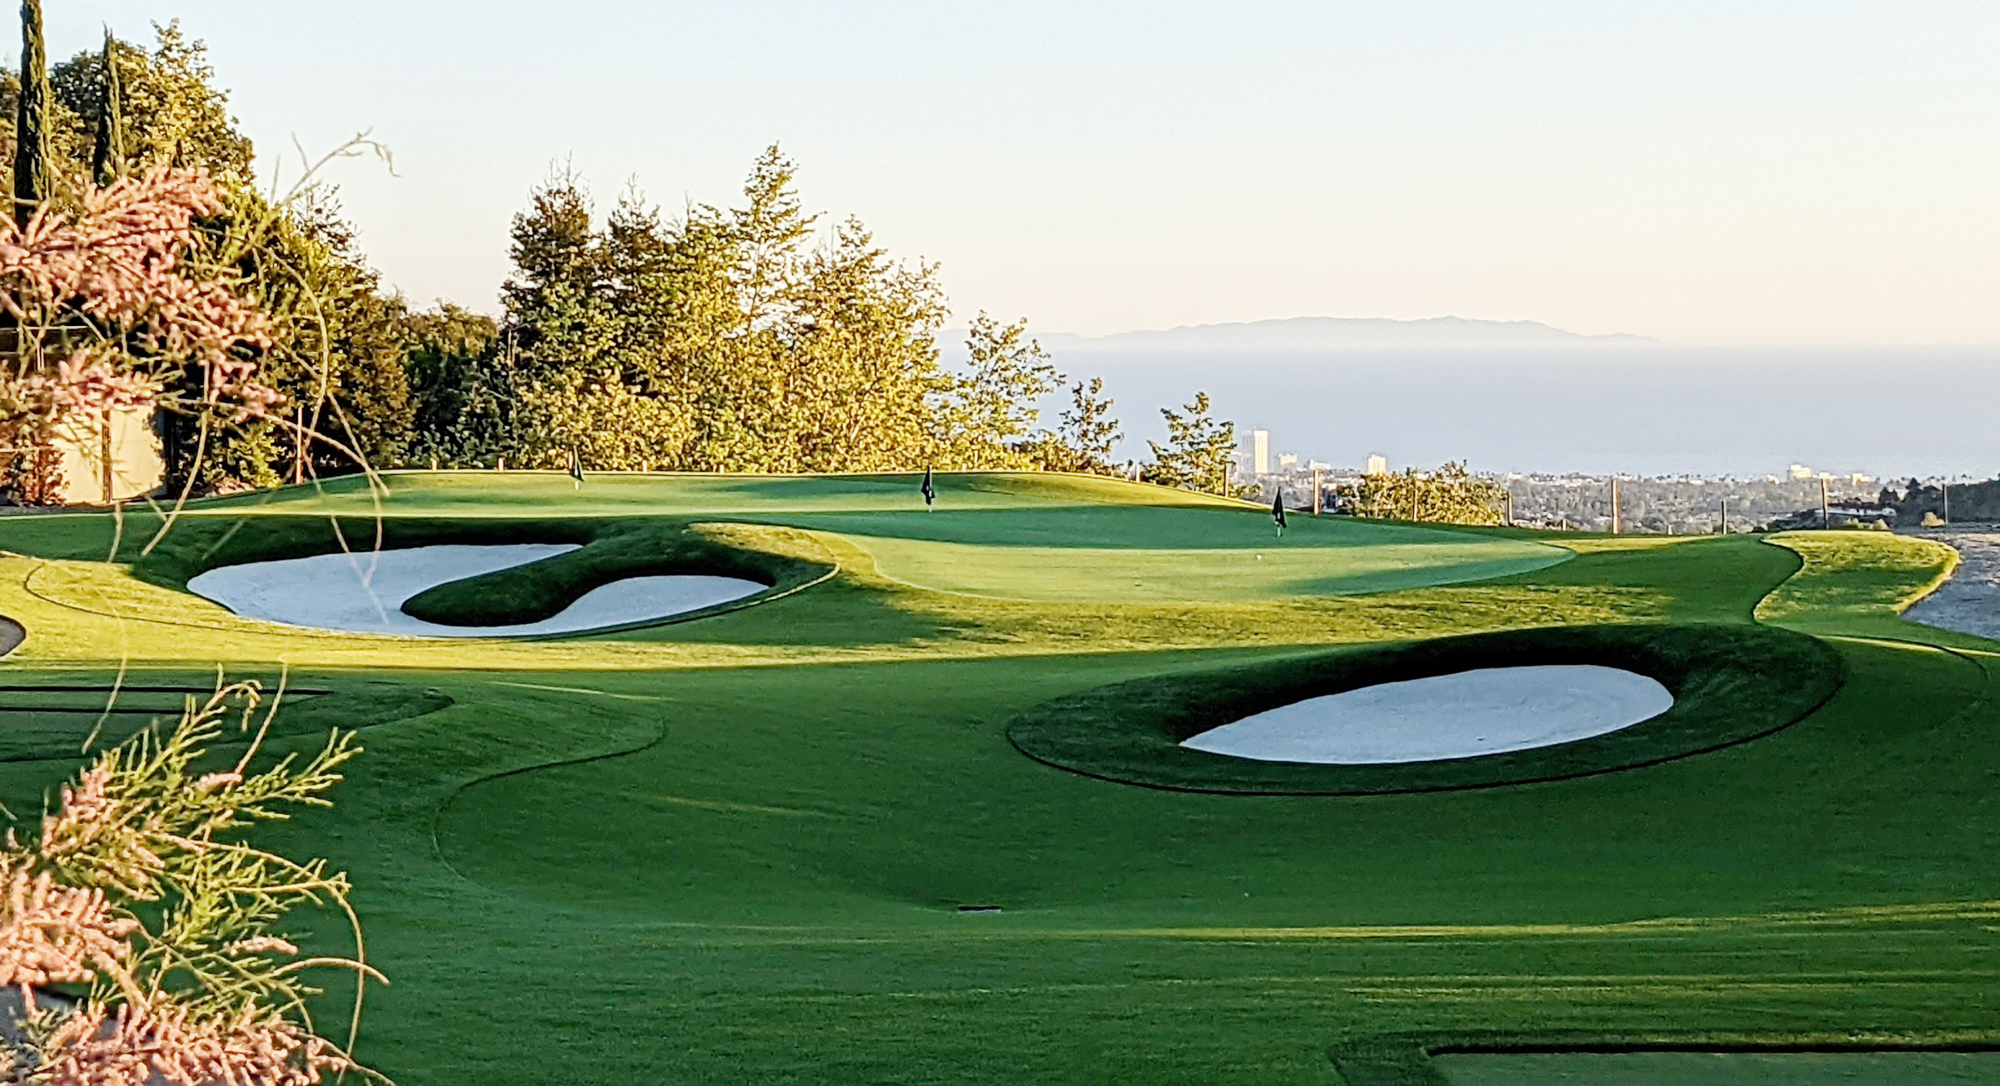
(1726, 1069)
(732, 850)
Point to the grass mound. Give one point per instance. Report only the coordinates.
(1731, 684)
(617, 550)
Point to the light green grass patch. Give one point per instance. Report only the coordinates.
(1279, 568)
(1855, 576)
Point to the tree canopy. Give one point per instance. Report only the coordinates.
(1198, 451)
(737, 339)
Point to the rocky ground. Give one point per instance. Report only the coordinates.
(1970, 601)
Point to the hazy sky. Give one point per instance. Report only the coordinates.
(1736, 171)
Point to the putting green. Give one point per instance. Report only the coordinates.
(733, 849)
(1342, 561)
(1045, 538)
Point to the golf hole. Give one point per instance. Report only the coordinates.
(364, 592)
(1462, 715)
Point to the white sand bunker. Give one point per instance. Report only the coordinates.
(364, 592)
(1488, 711)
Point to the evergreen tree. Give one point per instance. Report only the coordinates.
(769, 231)
(107, 159)
(31, 117)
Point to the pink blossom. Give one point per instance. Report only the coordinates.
(119, 260)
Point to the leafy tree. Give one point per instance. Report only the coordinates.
(1449, 495)
(172, 113)
(769, 231)
(113, 307)
(991, 409)
(447, 367)
(335, 349)
(1087, 431)
(610, 426)
(336, 354)
(1198, 451)
(856, 367)
(730, 339)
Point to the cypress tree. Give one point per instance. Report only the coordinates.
(31, 124)
(107, 159)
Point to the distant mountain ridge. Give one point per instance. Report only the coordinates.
(1319, 333)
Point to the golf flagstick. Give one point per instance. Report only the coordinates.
(930, 492)
(1278, 511)
(575, 469)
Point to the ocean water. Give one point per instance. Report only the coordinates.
(1647, 409)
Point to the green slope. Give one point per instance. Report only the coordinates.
(732, 850)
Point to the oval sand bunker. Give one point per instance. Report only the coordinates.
(364, 592)
(1463, 715)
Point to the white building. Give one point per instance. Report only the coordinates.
(1378, 464)
(1260, 452)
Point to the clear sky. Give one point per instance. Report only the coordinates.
(1744, 171)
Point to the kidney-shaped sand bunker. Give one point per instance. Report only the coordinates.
(1467, 714)
(364, 591)
(1258, 728)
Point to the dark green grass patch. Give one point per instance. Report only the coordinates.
(52, 714)
(1708, 1068)
(1730, 684)
(1473, 1058)
(540, 590)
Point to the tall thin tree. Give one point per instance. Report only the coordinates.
(107, 158)
(31, 123)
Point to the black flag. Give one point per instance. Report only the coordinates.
(930, 492)
(1278, 511)
(576, 468)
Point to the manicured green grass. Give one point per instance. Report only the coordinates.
(732, 850)
(1728, 1069)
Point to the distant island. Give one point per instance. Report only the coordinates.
(1318, 333)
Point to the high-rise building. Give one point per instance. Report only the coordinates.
(1260, 452)
(1378, 464)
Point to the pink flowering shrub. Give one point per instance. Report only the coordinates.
(109, 310)
(140, 888)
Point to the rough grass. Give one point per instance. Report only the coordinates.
(731, 850)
